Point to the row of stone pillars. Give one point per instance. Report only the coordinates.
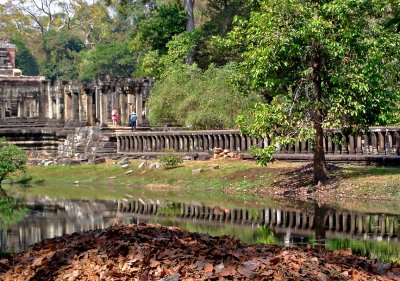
(378, 141)
(88, 104)
(93, 103)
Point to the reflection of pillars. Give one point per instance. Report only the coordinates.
(273, 217)
(345, 222)
(319, 222)
(360, 224)
(330, 221)
(367, 224)
(382, 225)
(298, 219)
(352, 223)
(391, 227)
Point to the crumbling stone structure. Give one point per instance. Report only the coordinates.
(69, 101)
(92, 103)
(39, 116)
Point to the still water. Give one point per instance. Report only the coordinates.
(367, 233)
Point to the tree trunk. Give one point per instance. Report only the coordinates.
(189, 25)
(320, 171)
(189, 15)
(3, 193)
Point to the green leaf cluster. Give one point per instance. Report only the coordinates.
(190, 97)
(12, 159)
(358, 72)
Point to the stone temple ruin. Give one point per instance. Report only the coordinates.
(70, 123)
(58, 119)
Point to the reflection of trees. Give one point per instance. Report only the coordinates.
(381, 250)
(319, 225)
(11, 212)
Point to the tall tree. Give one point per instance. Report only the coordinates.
(320, 64)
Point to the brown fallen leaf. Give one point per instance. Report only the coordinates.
(208, 267)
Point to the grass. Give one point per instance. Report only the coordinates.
(109, 181)
(232, 184)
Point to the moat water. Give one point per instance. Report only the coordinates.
(370, 232)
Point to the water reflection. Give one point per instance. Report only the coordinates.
(368, 234)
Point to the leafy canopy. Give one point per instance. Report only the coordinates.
(358, 71)
(198, 99)
(12, 159)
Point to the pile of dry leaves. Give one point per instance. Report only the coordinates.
(149, 252)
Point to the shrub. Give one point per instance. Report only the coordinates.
(170, 160)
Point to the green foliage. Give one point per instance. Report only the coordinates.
(24, 59)
(61, 50)
(170, 160)
(12, 159)
(155, 31)
(170, 209)
(113, 59)
(197, 99)
(357, 73)
(11, 212)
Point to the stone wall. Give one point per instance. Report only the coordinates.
(88, 143)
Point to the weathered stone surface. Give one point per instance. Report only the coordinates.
(128, 172)
(100, 160)
(142, 164)
(197, 171)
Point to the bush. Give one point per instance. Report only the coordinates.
(170, 160)
(197, 99)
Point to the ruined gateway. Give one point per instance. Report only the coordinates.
(68, 119)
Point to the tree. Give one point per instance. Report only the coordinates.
(321, 65)
(61, 49)
(113, 59)
(191, 97)
(25, 60)
(12, 159)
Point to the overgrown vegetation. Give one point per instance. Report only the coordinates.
(12, 159)
(309, 66)
(170, 160)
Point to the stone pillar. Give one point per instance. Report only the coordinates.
(50, 102)
(19, 109)
(103, 107)
(123, 110)
(89, 107)
(352, 149)
(359, 145)
(390, 149)
(374, 143)
(75, 106)
(138, 97)
(67, 105)
(381, 145)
